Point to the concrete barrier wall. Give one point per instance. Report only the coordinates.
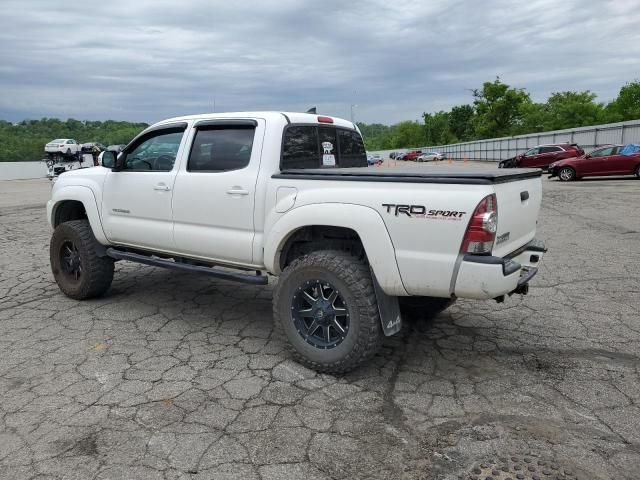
(495, 149)
(22, 170)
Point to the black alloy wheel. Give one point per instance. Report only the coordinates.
(320, 314)
(70, 261)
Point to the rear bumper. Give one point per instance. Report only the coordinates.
(483, 277)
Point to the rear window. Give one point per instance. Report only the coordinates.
(308, 146)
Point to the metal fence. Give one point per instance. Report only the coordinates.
(495, 149)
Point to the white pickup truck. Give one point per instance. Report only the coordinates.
(242, 196)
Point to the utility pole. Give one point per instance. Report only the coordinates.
(353, 118)
(214, 105)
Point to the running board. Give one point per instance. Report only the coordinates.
(185, 267)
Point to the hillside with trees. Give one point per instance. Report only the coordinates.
(496, 110)
(25, 141)
(499, 110)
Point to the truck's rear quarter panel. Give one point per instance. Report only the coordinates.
(425, 216)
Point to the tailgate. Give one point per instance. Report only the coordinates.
(518, 208)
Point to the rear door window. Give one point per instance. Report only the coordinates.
(221, 148)
(550, 149)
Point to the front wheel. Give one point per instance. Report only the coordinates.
(325, 304)
(78, 269)
(638, 171)
(567, 174)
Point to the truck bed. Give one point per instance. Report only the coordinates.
(439, 174)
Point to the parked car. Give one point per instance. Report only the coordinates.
(65, 146)
(430, 156)
(603, 161)
(400, 155)
(543, 155)
(347, 261)
(412, 155)
(374, 159)
(393, 155)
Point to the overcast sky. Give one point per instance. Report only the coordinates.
(146, 60)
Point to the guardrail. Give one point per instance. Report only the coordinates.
(495, 149)
(22, 170)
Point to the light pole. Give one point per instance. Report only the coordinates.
(352, 114)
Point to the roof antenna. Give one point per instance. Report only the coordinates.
(312, 110)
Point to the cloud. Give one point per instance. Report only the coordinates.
(148, 60)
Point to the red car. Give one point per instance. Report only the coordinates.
(603, 161)
(412, 155)
(543, 155)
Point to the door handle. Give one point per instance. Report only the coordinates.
(237, 191)
(162, 187)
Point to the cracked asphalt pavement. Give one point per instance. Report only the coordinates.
(176, 376)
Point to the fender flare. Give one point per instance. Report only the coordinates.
(85, 196)
(365, 221)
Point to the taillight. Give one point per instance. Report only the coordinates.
(322, 119)
(482, 228)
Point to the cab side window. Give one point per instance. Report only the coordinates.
(155, 151)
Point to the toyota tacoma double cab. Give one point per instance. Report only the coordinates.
(252, 196)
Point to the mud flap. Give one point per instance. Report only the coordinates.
(389, 309)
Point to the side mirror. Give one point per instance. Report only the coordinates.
(109, 159)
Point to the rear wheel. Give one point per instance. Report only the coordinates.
(325, 305)
(567, 174)
(78, 269)
(638, 171)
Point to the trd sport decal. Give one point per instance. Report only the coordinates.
(420, 211)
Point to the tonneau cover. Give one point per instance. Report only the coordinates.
(435, 174)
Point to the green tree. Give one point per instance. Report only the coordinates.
(627, 105)
(573, 109)
(499, 109)
(408, 134)
(25, 141)
(461, 120)
(437, 130)
(535, 118)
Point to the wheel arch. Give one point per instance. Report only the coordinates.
(76, 203)
(339, 222)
